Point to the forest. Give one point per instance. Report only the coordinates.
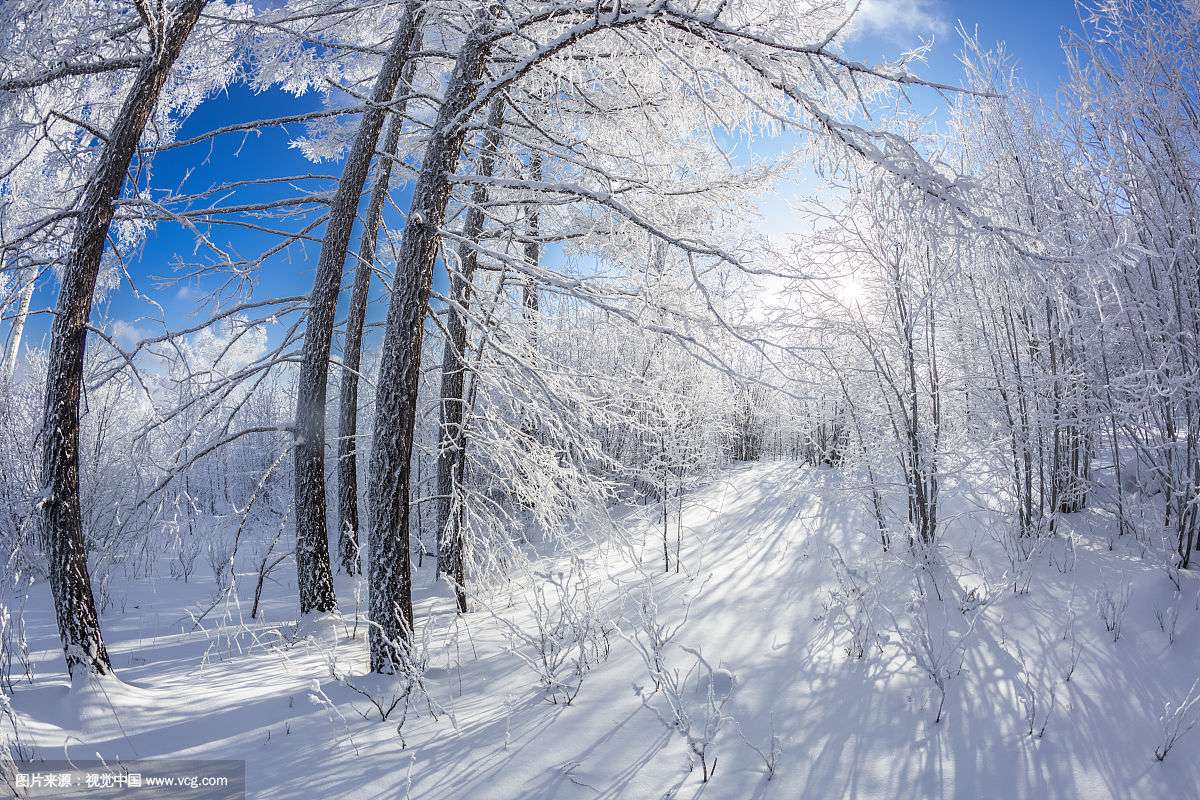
(647, 399)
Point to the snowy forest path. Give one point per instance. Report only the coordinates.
(759, 544)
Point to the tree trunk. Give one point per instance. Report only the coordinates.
(348, 523)
(529, 299)
(452, 448)
(315, 578)
(18, 325)
(533, 253)
(74, 605)
(389, 572)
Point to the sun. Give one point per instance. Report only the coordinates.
(850, 290)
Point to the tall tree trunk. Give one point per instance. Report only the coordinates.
(389, 571)
(529, 291)
(452, 448)
(315, 577)
(74, 605)
(533, 252)
(13, 346)
(347, 465)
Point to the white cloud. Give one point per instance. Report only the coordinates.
(894, 19)
(187, 294)
(227, 346)
(127, 334)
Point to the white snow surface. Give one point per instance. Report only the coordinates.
(756, 554)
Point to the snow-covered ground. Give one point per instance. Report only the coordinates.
(759, 552)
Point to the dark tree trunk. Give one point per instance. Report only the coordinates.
(348, 523)
(453, 445)
(315, 578)
(533, 252)
(389, 571)
(74, 605)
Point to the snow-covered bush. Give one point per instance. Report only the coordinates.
(1022, 549)
(266, 559)
(20, 552)
(1065, 560)
(1037, 692)
(569, 635)
(1168, 559)
(336, 717)
(1176, 720)
(768, 754)
(713, 689)
(1168, 617)
(389, 695)
(13, 747)
(852, 605)
(696, 696)
(1111, 606)
(183, 562)
(1074, 647)
(221, 555)
(14, 643)
(647, 633)
(935, 639)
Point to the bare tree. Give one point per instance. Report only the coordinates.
(12, 347)
(347, 464)
(74, 605)
(312, 538)
(451, 450)
(754, 58)
(389, 572)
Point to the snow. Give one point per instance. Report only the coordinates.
(758, 572)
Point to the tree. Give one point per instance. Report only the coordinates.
(451, 449)
(390, 573)
(74, 605)
(312, 539)
(754, 58)
(12, 347)
(1134, 76)
(890, 238)
(347, 441)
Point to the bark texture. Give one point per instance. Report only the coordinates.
(315, 576)
(347, 464)
(74, 604)
(390, 573)
(453, 444)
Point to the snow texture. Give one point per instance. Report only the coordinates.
(758, 576)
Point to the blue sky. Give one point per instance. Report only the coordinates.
(1030, 29)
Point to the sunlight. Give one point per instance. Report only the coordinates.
(850, 290)
(557, 399)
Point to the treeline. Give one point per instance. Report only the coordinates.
(1044, 334)
(514, 129)
(1024, 284)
